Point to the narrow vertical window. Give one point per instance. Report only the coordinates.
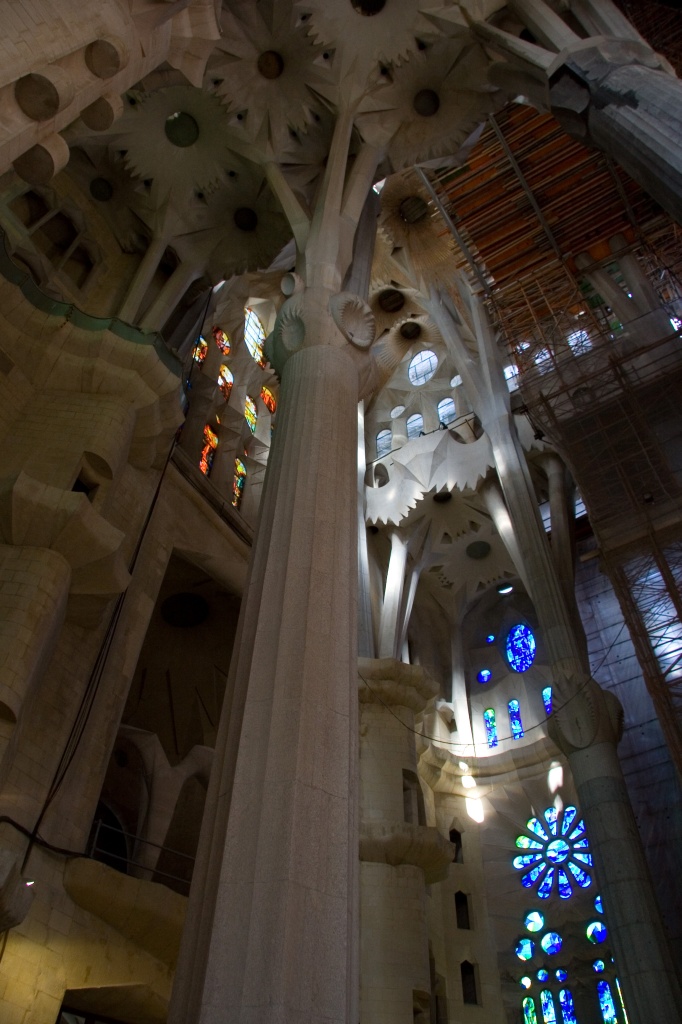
(548, 1011)
(515, 720)
(462, 910)
(222, 340)
(414, 425)
(250, 413)
(238, 482)
(547, 700)
(384, 442)
(254, 336)
(469, 987)
(490, 727)
(269, 399)
(208, 451)
(225, 380)
(529, 1014)
(200, 350)
(622, 1002)
(567, 1007)
(606, 1004)
(456, 840)
(446, 411)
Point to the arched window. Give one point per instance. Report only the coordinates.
(250, 413)
(606, 1004)
(547, 1004)
(446, 411)
(384, 442)
(422, 367)
(208, 451)
(547, 700)
(515, 720)
(462, 910)
(254, 335)
(567, 1007)
(469, 986)
(490, 727)
(529, 1014)
(269, 399)
(238, 482)
(415, 425)
(200, 350)
(456, 840)
(225, 380)
(222, 340)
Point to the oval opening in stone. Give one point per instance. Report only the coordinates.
(391, 300)
(413, 209)
(368, 7)
(410, 330)
(478, 549)
(270, 64)
(246, 219)
(426, 103)
(184, 610)
(101, 190)
(181, 129)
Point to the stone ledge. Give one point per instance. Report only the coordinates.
(401, 843)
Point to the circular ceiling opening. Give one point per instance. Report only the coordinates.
(391, 300)
(410, 330)
(184, 610)
(246, 219)
(101, 190)
(270, 64)
(368, 7)
(478, 549)
(181, 129)
(413, 209)
(426, 103)
(442, 497)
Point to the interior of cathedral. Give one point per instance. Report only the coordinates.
(340, 512)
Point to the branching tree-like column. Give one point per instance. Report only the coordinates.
(587, 721)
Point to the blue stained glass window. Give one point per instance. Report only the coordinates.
(524, 843)
(606, 1004)
(520, 648)
(534, 921)
(525, 981)
(569, 817)
(490, 639)
(596, 932)
(622, 1004)
(598, 966)
(484, 675)
(384, 442)
(554, 846)
(567, 1007)
(551, 943)
(526, 860)
(414, 425)
(547, 699)
(515, 720)
(529, 1014)
(542, 975)
(547, 1003)
(560, 974)
(565, 890)
(524, 949)
(581, 877)
(490, 727)
(598, 905)
(545, 887)
(532, 876)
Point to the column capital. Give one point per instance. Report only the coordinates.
(395, 683)
(588, 715)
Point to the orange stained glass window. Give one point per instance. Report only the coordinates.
(200, 350)
(222, 340)
(269, 399)
(238, 482)
(250, 413)
(225, 380)
(208, 451)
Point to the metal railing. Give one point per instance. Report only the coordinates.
(104, 854)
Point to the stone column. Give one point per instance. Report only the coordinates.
(271, 930)
(393, 596)
(143, 275)
(399, 855)
(169, 296)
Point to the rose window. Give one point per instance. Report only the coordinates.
(557, 854)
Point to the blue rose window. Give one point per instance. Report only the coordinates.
(520, 648)
(557, 854)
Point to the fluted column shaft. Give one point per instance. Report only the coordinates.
(271, 930)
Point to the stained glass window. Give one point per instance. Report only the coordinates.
(446, 411)
(548, 1011)
(254, 335)
(415, 425)
(525, 949)
(622, 1003)
(525, 981)
(250, 413)
(567, 1007)
(551, 943)
(238, 482)
(384, 442)
(560, 974)
(598, 905)
(208, 451)
(606, 1004)
(542, 975)
(484, 675)
(515, 720)
(520, 648)
(534, 921)
(596, 932)
(490, 639)
(529, 1014)
(557, 853)
(490, 727)
(200, 350)
(269, 399)
(222, 340)
(598, 966)
(422, 367)
(225, 380)
(547, 699)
